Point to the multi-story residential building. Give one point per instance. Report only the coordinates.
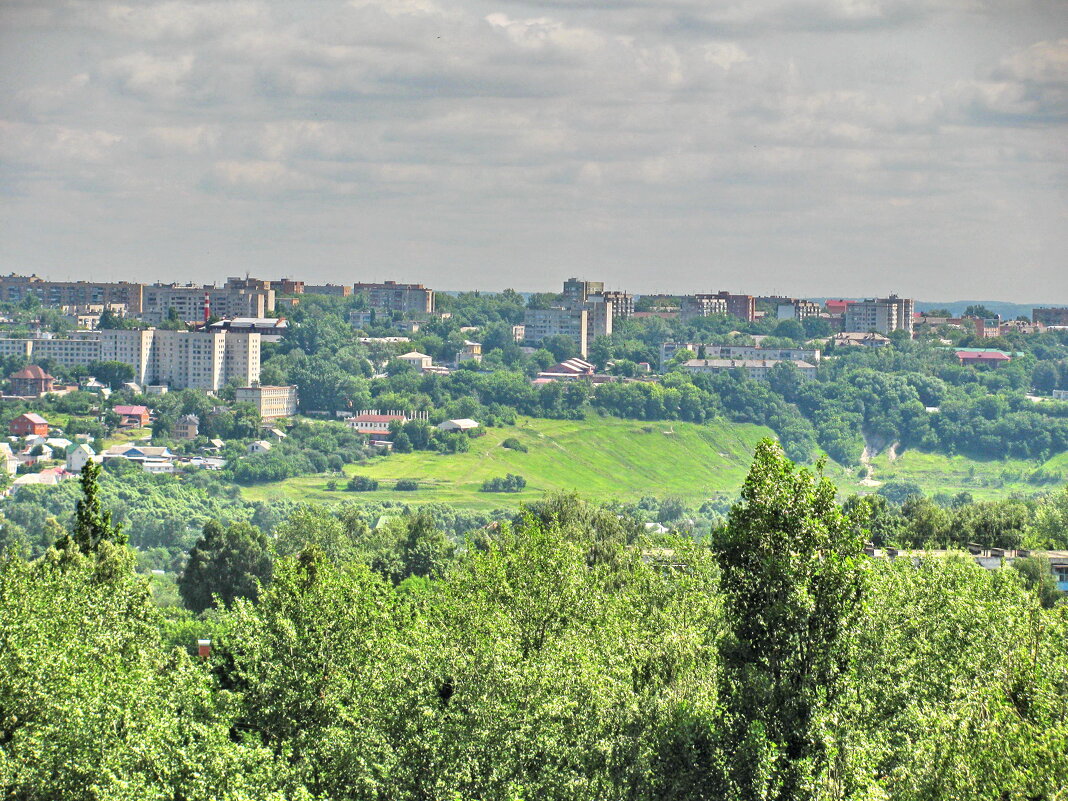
(15, 288)
(757, 369)
(239, 297)
(599, 317)
(882, 315)
(270, 402)
(336, 290)
(1050, 316)
(576, 291)
(621, 303)
(287, 286)
(573, 322)
(714, 351)
(799, 310)
(701, 306)
(741, 306)
(179, 359)
(393, 297)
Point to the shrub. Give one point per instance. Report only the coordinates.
(510, 483)
(514, 444)
(362, 484)
(406, 485)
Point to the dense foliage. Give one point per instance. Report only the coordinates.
(558, 655)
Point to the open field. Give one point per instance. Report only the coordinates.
(984, 479)
(608, 458)
(603, 458)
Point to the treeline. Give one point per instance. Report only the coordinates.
(555, 657)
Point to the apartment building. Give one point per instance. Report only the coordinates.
(576, 291)
(571, 321)
(239, 297)
(795, 309)
(334, 290)
(393, 297)
(621, 303)
(79, 350)
(756, 369)
(270, 402)
(882, 315)
(701, 306)
(1050, 316)
(714, 351)
(287, 286)
(15, 288)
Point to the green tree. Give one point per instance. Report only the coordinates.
(791, 586)
(230, 562)
(1038, 576)
(92, 522)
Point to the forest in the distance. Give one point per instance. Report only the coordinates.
(560, 654)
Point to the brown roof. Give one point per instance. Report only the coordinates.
(32, 417)
(32, 371)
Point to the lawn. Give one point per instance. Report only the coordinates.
(984, 479)
(602, 458)
(608, 458)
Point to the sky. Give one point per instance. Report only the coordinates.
(799, 147)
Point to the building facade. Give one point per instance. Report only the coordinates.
(239, 297)
(393, 297)
(15, 288)
(270, 402)
(881, 315)
(756, 369)
(572, 322)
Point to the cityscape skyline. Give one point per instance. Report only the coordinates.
(830, 148)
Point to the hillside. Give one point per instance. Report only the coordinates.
(603, 458)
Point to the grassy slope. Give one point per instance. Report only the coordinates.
(605, 458)
(602, 458)
(985, 480)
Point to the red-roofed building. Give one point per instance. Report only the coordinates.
(838, 306)
(31, 382)
(978, 357)
(132, 416)
(374, 423)
(28, 424)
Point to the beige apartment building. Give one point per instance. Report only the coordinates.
(239, 297)
(270, 402)
(15, 288)
(393, 297)
(882, 315)
(178, 359)
(573, 322)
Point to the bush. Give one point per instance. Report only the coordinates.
(514, 444)
(510, 483)
(362, 484)
(406, 485)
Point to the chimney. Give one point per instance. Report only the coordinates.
(207, 308)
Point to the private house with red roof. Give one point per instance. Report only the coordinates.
(31, 382)
(28, 424)
(374, 423)
(994, 358)
(132, 416)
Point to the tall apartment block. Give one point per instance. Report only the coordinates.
(1050, 316)
(15, 288)
(703, 305)
(570, 321)
(794, 309)
(393, 297)
(579, 292)
(179, 359)
(239, 297)
(576, 291)
(881, 315)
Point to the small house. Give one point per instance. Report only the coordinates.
(28, 424)
(132, 416)
(79, 457)
(31, 382)
(260, 446)
(463, 424)
(186, 427)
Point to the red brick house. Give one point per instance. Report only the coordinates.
(132, 416)
(31, 382)
(28, 424)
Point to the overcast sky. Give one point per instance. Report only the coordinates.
(807, 147)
